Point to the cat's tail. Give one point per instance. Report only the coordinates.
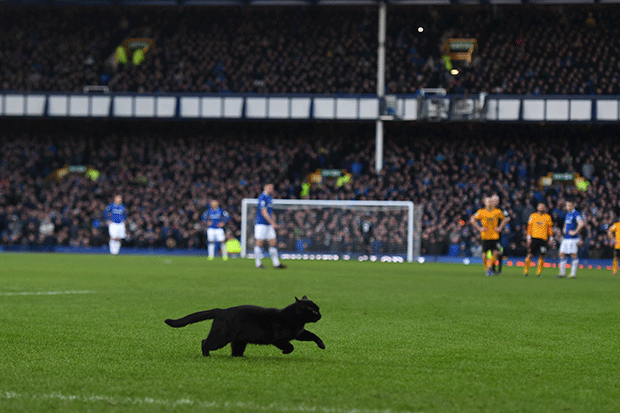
(193, 318)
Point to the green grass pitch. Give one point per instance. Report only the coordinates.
(85, 333)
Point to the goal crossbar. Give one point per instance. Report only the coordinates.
(246, 203)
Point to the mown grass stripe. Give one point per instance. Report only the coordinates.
(274, 407)
(9, 294)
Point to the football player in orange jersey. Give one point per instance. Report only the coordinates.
(614, 234)
(539, 234)
(489, 221)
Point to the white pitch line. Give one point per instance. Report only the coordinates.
(46, 293)
(149, 401)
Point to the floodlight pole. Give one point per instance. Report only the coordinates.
(380, 87)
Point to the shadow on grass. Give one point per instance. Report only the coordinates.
(327, 359)
(249, 358)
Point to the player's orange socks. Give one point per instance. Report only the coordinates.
(491, 262)
(526, 269)
(540, 266)
(615, 268)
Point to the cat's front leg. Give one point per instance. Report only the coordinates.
(285, 346)
(238, 347)
(310, 336)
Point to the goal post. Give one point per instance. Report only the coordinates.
(343, 229)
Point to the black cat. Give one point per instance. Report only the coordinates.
(257, 325)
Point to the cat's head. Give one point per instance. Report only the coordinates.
(307, 310)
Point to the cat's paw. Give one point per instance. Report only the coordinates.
(320, 344)
(288, 350)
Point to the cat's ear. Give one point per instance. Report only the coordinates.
(297, 300)
(304, 298)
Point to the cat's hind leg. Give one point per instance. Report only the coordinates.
(238, 347)
(213, 342)
(285, 346)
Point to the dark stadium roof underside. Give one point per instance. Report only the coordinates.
(294, 2)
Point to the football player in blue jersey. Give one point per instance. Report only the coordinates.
(115, 216)
(216, 217)
(573, 223)
(265, 228)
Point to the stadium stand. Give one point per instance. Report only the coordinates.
(167, 171)
(167, 175)
(522, 49)
(55, 48)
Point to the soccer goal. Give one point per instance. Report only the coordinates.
(327, 229)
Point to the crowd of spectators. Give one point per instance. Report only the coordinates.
(167, 172)
(560, 50)
(56, 48)
(523, 49)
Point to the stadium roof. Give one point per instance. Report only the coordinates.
(294, 2)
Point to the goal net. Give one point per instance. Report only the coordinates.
(325, 229)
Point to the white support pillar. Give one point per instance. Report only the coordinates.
(379, 146)
(380, 86)
(381, 50)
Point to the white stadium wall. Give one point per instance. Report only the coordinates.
(501, 108)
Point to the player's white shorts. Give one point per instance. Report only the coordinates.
(264, 232)
(117, 230)
(569, 246)
(216, 235)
